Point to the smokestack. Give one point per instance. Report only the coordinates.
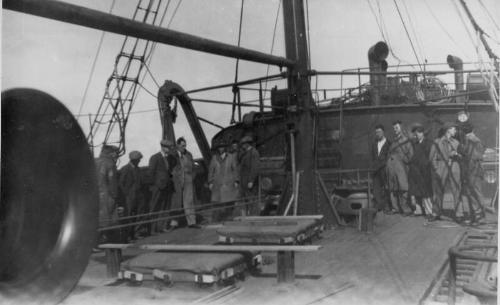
(456, 64)
(376, 59)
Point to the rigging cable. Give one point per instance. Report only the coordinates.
(407, 34)
(489, 15)
(381, 29)
(235, 91)
(92, 69)
(272, 46)
(412, 26)
(444, 29)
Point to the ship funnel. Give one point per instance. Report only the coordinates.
(456, 64)
(376, 59)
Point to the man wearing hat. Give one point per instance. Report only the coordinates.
(445, 169)
(472, 150)
(130, 185)
(419, 174)
(249, 172)
(399, 155)
(223, 179)
(160, 171)
(107, 182)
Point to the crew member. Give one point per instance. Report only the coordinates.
(472, 151)
(107, 181)
(183, 183)
(400, 153)
(419, 174)
(379, 154)
(130, 185)
(223, 180)
(160, 171)
(445, 170)
(249, 160)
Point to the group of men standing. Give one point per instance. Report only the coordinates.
(411, 176)
(171, 188)
(232, 176)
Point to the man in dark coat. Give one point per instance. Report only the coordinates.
(472, 151)
(183, 175)
(249, 162)
(400, 153)
(160, 170)
(130, 185)
(107, 181)
(379, 154)
(419, 174)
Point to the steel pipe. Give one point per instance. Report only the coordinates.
(95, 19)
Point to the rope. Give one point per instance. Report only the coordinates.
(379, 24)
(444, 29)
(412, 26)
(92, 69)
(489, 15)
(408, 34)
(236, 92)
(272, 46)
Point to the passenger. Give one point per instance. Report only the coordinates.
(234, 149)
(223, 180)
(107, 181)
(400, 154)
(419, 174)
(249, 162)
(445, 169)
(130, 185)
(379, 154)
(160, 171)
(472, 151)
(183, 182)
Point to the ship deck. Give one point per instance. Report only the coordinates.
(394, 264)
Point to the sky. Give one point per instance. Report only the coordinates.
(57, 58)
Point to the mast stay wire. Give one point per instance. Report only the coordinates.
(92, 69)
(412, 27)
(272, 45)
(408, 34)
(235, 91)
(459, 47)
(384, 36)
(489, 15)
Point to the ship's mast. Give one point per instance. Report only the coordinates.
(300, 94)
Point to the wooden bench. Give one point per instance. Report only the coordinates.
(285, 268)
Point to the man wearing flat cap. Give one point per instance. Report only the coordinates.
(249, 162)
(130, 185)
(107, 182)
(472, 151)
(445, 169)
(160, 171)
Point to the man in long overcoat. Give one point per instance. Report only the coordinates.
(419, 174)
(130, 185)
(400, 153)
(379, 154)
(249, 161)
(223, 179)
(160, 171)
(182, 174)
(445, 169)
(472, 152)
(107, 181)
